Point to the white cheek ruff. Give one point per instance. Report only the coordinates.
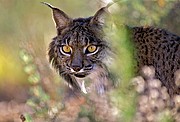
(66, 54)
(89, 54)
(83, 88)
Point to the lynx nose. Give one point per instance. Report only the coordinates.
(76, 68)
(77, 60)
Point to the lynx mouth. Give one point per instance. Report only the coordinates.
(81, 75)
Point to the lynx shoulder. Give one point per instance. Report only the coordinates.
(160, 49)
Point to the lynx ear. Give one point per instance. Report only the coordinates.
(61, 19)
(100, 17)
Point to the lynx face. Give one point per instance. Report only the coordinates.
(79, 47)
(79, 50)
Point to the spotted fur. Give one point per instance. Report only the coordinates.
(160, 49)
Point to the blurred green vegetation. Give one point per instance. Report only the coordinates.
(26, 28)
(131, 13)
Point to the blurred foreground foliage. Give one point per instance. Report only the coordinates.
(136, 13)
(27, 28)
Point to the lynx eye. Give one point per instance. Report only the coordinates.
(66, 50)
(92, 49)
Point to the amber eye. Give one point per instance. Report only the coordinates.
(91, 48)
(66, 50)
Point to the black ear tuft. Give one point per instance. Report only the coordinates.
(60, 18)
(100, 17)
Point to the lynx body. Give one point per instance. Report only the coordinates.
(79, 50)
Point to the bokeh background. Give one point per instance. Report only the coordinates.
(26, 28)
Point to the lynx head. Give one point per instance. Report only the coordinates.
(80, 45)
